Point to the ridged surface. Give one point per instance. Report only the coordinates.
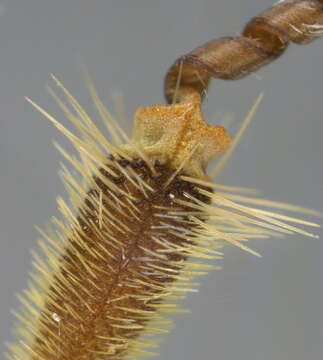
(264, 38)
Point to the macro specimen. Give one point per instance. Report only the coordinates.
(144, 211)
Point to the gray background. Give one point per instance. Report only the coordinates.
(269, 308)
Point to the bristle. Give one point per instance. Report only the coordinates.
(217, 168)
(181, 165)
(221, 187)
(113, 125)
(273, 204)
(131, 239)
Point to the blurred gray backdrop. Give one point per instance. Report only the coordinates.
(269, 308)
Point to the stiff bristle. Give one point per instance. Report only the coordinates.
(130, 242)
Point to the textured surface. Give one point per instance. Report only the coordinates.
(264, 38)
(268, 308)
(117, 264)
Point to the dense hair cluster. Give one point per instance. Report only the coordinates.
(142, 211)
(124, 252)
(130, 241)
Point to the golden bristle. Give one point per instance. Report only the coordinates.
(131, 241)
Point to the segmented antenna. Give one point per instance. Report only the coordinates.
(263, 39)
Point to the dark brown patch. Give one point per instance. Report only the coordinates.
(92, 286)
